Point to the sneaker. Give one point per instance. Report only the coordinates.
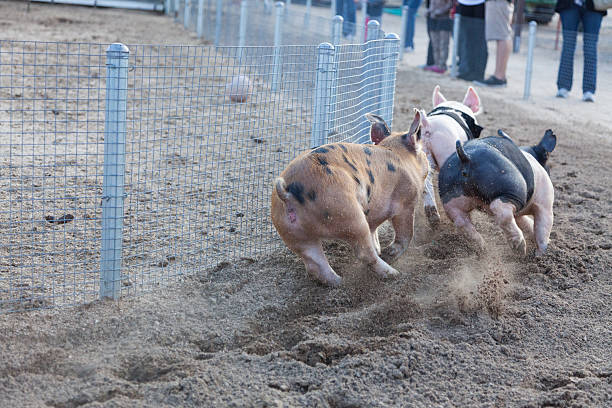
(408, 50)
(562, 93)
(588, 97)
(492, 81)
(438, 69)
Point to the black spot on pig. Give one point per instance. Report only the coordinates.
(322, 161)
(328, 170)
(297, 190)
(312, 196)
(320, 150)
(371, 176)
(369, 191)
(357, 180)
(332, 147)
(351, 165)
(367, 151)
(368, 162)
(343, 147)
(391, 167)
(366, 212)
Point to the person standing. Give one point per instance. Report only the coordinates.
(439, 12)
(571, 13)
(413, 7)
(472, 44)
(346, 9)
(498, 19)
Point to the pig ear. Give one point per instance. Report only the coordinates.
(416, 123)
(472, 101)
(411, 138)
(461, 153)
(378, 128)
(549, 141)
(501, 133)
(437, 97)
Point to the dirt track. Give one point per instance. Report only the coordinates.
(453, 330)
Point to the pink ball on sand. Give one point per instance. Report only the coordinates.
(238, 89)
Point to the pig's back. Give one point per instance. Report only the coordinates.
(498, 169)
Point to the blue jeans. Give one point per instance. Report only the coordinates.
(591, 22)
(413, 7)
(346, 9)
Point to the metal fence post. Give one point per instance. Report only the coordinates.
(364, 5)
(277, 45)
(333, 7)
(323, 94)
(287, 6)
(531, 44)
(403, 31)
(167, 5)
(373, 30)
(456, 25)
(390, 59)
(307, 15)
(242, 28)
(218, 22)
(187, 16)
(337, 22)
(114, 170)
(177, 5)
(200, 23)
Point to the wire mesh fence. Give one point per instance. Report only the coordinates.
(191, 165)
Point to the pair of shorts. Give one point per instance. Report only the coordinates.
(498, 16)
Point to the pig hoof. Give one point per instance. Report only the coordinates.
(520, 248)
(388, 273)
(332, 281)
(392, 252)
(432, 217)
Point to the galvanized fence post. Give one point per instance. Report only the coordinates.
(390, 59)
(200, 23)
(218, 22)
(242, 28)
(287, 6)
(333, 7)
(369, 99)
(167, 5)
(276, 74)
(528, 70)
(403, 31)
(455, 50)
(364, 5)
(177, 6)
(114, 170)
(324, 85)
(336, 29)
(307, 15)
(187, 15)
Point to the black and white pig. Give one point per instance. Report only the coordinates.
(493, 174)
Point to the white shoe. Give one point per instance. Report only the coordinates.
(562, 93)
(588, 97)
(408, 50)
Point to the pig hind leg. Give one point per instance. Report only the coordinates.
(429, 198)
(362, 241)
(403, 225)
(543, 222)
(525, 223)
(463, 222)
(316, 262)
(504, 217)
(376, 241)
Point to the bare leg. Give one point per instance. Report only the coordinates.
(316, 263)
(525, 223)
(464, 223)
(376, 241)
(502, 55)
(403, 224)
(429, 200)
(504, 217)
(363, 245)
(543, 222)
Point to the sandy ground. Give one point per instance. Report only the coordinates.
(452, 330)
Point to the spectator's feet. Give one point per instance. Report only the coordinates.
(465, 77)
(492, 81)
(435, 68)
(426, 67)
(408, 50)
(588, 97)
(562, 93)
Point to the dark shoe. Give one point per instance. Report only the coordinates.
(492, 81)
